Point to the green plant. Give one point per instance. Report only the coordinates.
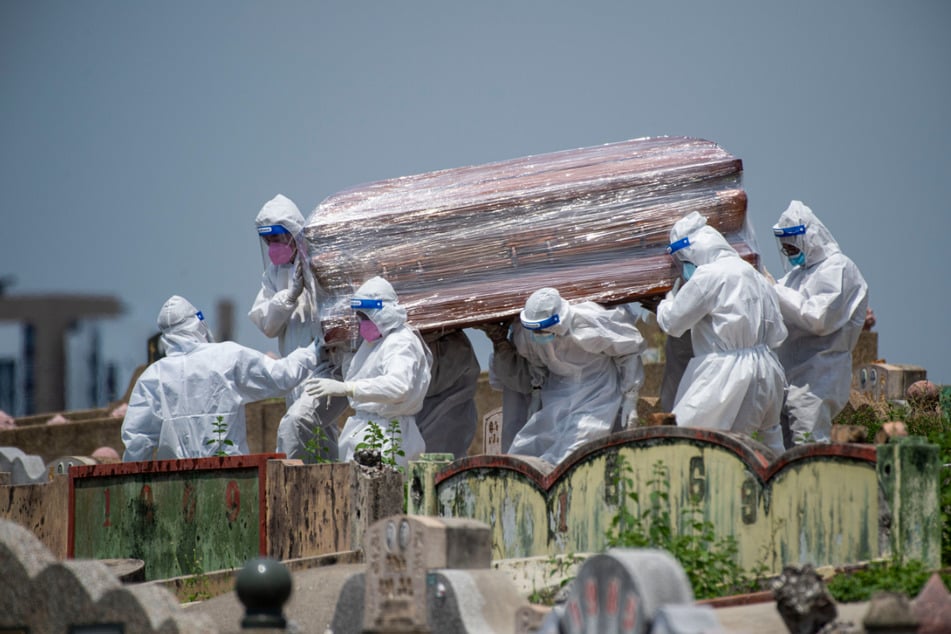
(195, 586)
(893, 576)
(710, 562)
(220, 428)
(559, 568)
(317, 447)
(388, 443)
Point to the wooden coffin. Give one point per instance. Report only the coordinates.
(468, 245)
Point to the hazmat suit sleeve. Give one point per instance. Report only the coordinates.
(142, 423)
(400, 367)
(273, 305)
(826, 300)
(258, 376)
(775, 328)
(679, 313)
(613, 333)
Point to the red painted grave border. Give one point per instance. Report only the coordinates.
(756, 456)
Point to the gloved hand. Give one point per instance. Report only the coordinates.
(318, 388)
(297, 284)
(629, 411)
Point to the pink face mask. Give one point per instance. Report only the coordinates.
(369, 331)
(280, 253)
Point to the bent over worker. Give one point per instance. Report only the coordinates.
(590, 360)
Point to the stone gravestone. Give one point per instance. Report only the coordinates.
(23, 468)
(492, 431)
(426, 574)
(624, 591)
(39, 593)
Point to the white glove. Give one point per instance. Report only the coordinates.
(629, 411)
(297, 284)
(318, 388)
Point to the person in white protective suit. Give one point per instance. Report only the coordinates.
(288, 307)
(176, 401)
(824, 301)
(734, 382)
(590, 360)
(448, 418)
(388, 377)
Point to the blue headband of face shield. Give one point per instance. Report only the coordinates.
(271, 230)
(541, 325)
(673, 247)
(784, 232)
(200, 316)
(366, 303)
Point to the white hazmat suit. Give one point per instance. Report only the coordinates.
(734, 382)
(176, 402)
(590, 357)
(823, 302)
(288, 307)
(388, 377)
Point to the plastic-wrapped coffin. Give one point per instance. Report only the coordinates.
(469, 245)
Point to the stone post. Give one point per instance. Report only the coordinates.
(421, 497)
(909, 470)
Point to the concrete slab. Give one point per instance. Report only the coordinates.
(311, 606)
(756, 618)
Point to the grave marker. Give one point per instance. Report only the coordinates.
(492, 431)
(179, 516)
(425, 574)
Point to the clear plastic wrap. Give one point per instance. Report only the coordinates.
(468, 245)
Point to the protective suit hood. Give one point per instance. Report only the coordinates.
(706, 244)
(182, 328)
(281, 210)
(541, 305)
(818, 243)
(392, 315)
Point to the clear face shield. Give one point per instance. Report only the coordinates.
(684, 268)
(278, 247)
(368, 330)
(282, 249)
(540, 330)
(203, 327)
(791, 243)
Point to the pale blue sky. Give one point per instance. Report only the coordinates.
(139, 139)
